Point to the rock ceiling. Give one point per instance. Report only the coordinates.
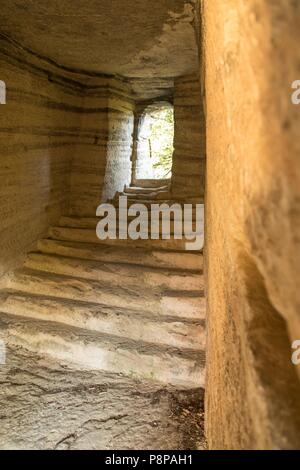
(150, 42)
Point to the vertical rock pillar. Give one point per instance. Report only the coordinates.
(102, 166)
(189, 140)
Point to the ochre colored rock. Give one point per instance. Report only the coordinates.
(251, 57)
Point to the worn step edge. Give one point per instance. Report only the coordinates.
(89, 350)
(186, 304)
(115, 321)
(115, 273)
(136, 190)
(90, 236)
(91, 223)
(125, 216)
(152, 195)
(145, 257)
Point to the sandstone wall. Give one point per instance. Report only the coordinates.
(61, 132)
(89, 157)
(188, 168)
(120, 140)
(39, 126)
(101, 165)
(251, 57)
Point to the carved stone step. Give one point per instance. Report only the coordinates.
(147, 202)
(91, 223)
(149, 190)
(184, 304)
(86, 349)
(151, 183)
(140, 256)
(152, 195)
(115, 273)
(123, 322)
(90, 236)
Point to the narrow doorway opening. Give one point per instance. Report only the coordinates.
(154, 144)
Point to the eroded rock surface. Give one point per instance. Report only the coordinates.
(47, 406)
(252, 223)
(136, 39)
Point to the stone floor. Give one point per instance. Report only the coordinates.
(49, 406)
(79, 315)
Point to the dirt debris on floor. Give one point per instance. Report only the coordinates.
(49, 406)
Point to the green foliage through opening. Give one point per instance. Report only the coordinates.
(161, 141)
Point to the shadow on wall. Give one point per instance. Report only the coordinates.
(272, 383)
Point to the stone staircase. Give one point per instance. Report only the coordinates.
(123, 306)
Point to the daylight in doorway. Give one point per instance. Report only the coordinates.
(155, 142)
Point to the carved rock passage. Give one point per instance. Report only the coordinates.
(122, 309)
(66, 136)
(134, 309)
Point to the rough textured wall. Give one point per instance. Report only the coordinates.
(38, 128)
(120, 140)
(142, 40)
(101, 164)
(252, 56)
(89, 158)
(189, 139)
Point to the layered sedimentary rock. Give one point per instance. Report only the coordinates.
(39, 126)
(61, 132)
(252, 217)
(148, 42)
(102, 166)
(120, 140)
(188, 170)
